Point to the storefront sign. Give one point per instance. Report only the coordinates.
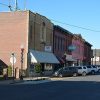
(48, 48)
(72, 47)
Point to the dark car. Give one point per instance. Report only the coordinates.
(66, 71)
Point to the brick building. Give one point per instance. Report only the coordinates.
(29, 30)
(87, 53)
(62, 41)
(78, 52)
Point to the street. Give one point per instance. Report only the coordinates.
(67, 88)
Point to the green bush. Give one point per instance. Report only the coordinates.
(1, 78)
(9, 71)
(37, 68)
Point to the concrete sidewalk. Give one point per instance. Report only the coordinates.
(31, 79)
(36, 78)
(5, 82)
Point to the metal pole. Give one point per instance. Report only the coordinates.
(13, 65)
(24, 4)
(16, 5)
(22, 50)
(95, 56)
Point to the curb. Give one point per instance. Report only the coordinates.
(14, 82)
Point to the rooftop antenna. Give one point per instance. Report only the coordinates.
(24, 4)
(10, 8)
(16, 5)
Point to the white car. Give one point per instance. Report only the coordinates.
(98, 68)
(82, 70)
(94, 68)
(91, 69)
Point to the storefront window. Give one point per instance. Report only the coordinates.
(48, 67)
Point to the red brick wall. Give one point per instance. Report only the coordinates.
(58, 35)
(13, 33)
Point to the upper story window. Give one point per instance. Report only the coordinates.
(43, 32)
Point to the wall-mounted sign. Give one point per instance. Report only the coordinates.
(72, 47)
(48, 48)
(13, 60)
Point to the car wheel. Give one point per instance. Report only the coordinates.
(84, 74)
(75, 74)
(99, 70)
(60, 75)
(93, 72)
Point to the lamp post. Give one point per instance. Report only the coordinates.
(13, 61)
(95, 56)
(65, 55)
(22, 53)
(13, 55)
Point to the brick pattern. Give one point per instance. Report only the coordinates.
(13, 30)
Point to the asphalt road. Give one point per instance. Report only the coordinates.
(56, 90)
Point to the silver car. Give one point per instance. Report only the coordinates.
(82, 70)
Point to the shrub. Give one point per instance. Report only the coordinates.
(37, 68)
(9, 71)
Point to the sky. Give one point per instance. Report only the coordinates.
(66, 13)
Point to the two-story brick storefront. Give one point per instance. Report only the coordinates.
(62, 41)
(31, 31)
(78, 52)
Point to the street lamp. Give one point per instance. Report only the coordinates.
(65, 55)
(22, 53)
(13, 61)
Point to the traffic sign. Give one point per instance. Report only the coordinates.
(13, 60)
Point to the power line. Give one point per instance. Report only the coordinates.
(9, 6)
(4, 4)
(75, 26)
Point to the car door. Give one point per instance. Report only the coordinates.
(66, 71)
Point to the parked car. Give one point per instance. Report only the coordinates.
(82, 70)
(91, 69)
(66, 71)
(94, 68)
(98, 68)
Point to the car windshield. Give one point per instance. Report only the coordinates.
(88, 66)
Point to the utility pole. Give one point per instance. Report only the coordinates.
(16, 5)
(95, 56)
(24, 4)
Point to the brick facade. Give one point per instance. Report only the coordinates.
(87, 53)
(13, 32)
(23, 28)
(62, 40)
(78, 53)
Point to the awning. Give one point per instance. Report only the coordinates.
(43, 57)
(61, 60)
(3, 64)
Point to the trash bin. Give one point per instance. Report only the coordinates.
(21, 77)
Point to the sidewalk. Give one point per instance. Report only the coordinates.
(25, 80)
(5, 82)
